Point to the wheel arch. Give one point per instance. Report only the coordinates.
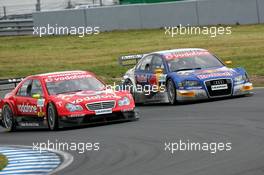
(240, 70)
(54, 104)
(174, 80)
(130, 79)
(12, 105)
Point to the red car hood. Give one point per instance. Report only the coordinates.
(85, 97)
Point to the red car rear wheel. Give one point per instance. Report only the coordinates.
(8, 118)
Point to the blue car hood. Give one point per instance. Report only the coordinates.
(204, 74)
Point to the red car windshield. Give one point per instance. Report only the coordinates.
(74, 85)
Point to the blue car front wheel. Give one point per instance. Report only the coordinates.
(171, 90)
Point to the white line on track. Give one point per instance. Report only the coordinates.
(24, 160)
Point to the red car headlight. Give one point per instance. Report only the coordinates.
(124, 101)
(72, 107)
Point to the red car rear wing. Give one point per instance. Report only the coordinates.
(9, 84)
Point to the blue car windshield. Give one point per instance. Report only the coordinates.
(202, 61)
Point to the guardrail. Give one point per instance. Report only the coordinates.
(16, 27)
(160, 15)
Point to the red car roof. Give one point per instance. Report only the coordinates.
(63, 75)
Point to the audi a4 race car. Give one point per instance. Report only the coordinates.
(182, 75)
(61, 99)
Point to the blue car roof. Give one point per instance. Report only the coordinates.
(163, 52)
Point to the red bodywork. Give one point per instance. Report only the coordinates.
(27, 106)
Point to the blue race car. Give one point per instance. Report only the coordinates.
(181, 75)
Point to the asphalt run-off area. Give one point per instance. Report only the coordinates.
(138, 147)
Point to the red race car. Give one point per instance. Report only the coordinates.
(62, 99)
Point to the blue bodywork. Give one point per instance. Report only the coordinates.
(193, 84)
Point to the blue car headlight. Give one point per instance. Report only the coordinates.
(240, 79)
(72, 107)
(124, 101)
(191, 83)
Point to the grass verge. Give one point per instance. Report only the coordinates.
(3, 162)
(26, 55)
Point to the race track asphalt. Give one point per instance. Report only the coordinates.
(133, 148)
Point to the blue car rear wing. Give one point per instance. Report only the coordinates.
(129, 60)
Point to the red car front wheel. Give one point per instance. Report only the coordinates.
(52, 117)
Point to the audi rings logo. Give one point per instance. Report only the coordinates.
(218, 82)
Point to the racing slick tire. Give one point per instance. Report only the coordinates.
(52, 117)
(172, 93)
(131, 115)
(136, 115)
(8, 118)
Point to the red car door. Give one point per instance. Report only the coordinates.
(26, 105)
(24, 101)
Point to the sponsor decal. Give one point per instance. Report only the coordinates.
(96, 97)
(207, 71)
(219, 87)
(67, 77)
(76, 115)
(66, 74)
(153, 80)
(217, 74)
(24, 124)
(87, 98)
(65, 97)
(103, 111)
(41, 114)
(185, 72)
(40, 102)
(127, 110)
(177, 55)
(157, 80)
(141, 79)
(162, 78)
(26, 108)
(131, 57)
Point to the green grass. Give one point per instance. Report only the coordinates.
(26, 55)
(3, 161)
